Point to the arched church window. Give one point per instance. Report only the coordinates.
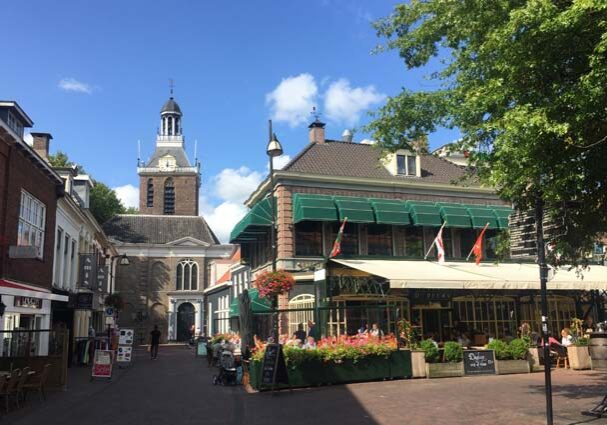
(150, 193)
(187, 275)
(170, 126)
(169, 196)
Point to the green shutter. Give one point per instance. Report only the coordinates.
(258, 304)
(313, 207)
(234, 310)
(358, 210)
(257, 219)
(455, 215)
(389, 211)
(424, 213)
(502, 215)
(480, 216)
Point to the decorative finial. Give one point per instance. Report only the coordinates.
(171, 86)
(315, 114)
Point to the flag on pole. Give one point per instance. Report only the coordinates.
(477, 249)
(337, 244)
(440, 246)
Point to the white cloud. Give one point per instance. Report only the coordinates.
(236, 185)
(292, 100)
(344, 103)
(28, 138)
(223, 217)
(128, 195)
(73, 85)
(281, 161)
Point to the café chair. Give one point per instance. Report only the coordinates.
(25, 374)
(37, 383)
(9, 389)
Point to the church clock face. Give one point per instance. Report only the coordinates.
(167, 163)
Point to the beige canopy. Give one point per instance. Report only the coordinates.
(452, 275)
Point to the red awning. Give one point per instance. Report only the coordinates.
(13, 288)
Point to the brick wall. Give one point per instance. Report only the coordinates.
(186, 194)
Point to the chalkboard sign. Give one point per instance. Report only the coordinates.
(479, 362)
(201, 348)
(273, 367)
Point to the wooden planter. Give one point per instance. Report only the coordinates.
(418, 364)
(506, 367)
(444, 370)
(579, 358)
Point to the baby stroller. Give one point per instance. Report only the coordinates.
(227, 369)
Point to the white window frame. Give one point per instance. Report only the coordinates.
(223, 314)
(32, 223)
(407, 172)
(186, 265)
(297, 317)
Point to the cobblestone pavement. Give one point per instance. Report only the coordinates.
(176, 389)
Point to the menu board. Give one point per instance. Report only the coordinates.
(201, 348)
(273, 367)
(479, 362)
(102, 364)
(126, 337)
(124, 354)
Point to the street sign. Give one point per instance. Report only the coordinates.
(109, 311)
(102, 364)
(109, 320)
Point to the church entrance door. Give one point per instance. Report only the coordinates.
(185, 320)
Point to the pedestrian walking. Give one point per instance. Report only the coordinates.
(154, 342)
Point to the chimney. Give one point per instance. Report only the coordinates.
(317, 132)
(41, 144)
(347, 136)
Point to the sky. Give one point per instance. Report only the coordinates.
(95, 75)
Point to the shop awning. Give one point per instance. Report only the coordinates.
(480, 216)
(19, 289)
(313, 207)
(389, 211)
(258, 304)
(455, 215)
(358, 210)
(254, 223)
(502, 215)
(424, 213)
(453, 275)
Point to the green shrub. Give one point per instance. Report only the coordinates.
(581, 341)
(518, 349)
(454, 353)
(501, 349)
(430, 350)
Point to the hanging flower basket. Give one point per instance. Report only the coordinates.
(271, 284)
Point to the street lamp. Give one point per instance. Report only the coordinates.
(273, 150)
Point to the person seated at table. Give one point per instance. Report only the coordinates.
(310, 344)
(364, 329)
(430, 337)
(300, 333)
(376, 331)
(464, 340)
(566, 338)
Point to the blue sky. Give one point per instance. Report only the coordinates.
(95, 75)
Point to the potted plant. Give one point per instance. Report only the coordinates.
(512, 357)
(272, 284)
(410, 339)
(452, 364)
(577, 352)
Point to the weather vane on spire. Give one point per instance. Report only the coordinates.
(171, 85)
(315, 114)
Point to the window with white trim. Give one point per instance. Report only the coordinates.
(406, 165)
(32, 219)
(187, 275)
(223, 314)
(299, 302)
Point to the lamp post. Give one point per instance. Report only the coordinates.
(273, 150)
(123, 261)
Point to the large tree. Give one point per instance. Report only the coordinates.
(525, 81)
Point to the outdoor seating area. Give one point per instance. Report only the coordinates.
(17, 383)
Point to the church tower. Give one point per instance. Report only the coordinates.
(168, 183)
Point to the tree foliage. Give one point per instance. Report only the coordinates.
(525, 81)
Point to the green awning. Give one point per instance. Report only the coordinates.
(502, 215)
(254, 223)
(480, 216)
(389, 211)
(313, 207)
(258, 304)
(455, 215)
(358, 210)
(424, 213)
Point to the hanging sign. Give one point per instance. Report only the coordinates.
(88, 266)
(102, 364)
(101, 276)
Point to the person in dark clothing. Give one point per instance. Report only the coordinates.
(300, 334)
(155, 342)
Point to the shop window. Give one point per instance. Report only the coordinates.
(222, 314)
(561, 310)
(187, 276)
(349, 240)
(448, 243)
(495, 317)
(414, 241)
(490, 243)
(379, 239)
(32, 217)
(300, 302)
(308, 239)
(169, 196)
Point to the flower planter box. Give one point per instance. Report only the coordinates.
(418, 364)
(579, 358)
(444, 370)
(506, 367)
(315, 373)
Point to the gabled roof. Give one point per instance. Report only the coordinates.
(177, 152)
(347, 159)
(158, 229)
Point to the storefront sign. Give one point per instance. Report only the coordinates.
(357, 285)
(28, 302)
(88, 266)
(84, 301)
(101, 276)
(428, 295)
(479, 362)
(102, 365)
(273, 367)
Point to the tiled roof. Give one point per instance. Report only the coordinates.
(158, 229)
(179, 153)
(346, 159)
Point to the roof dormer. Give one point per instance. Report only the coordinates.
(403, 162)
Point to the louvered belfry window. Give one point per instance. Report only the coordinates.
(169, 196)
(150, 193)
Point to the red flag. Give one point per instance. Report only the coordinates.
(337, 244)
(477, 249)
(440, 247)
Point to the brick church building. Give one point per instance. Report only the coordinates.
(168, 243)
